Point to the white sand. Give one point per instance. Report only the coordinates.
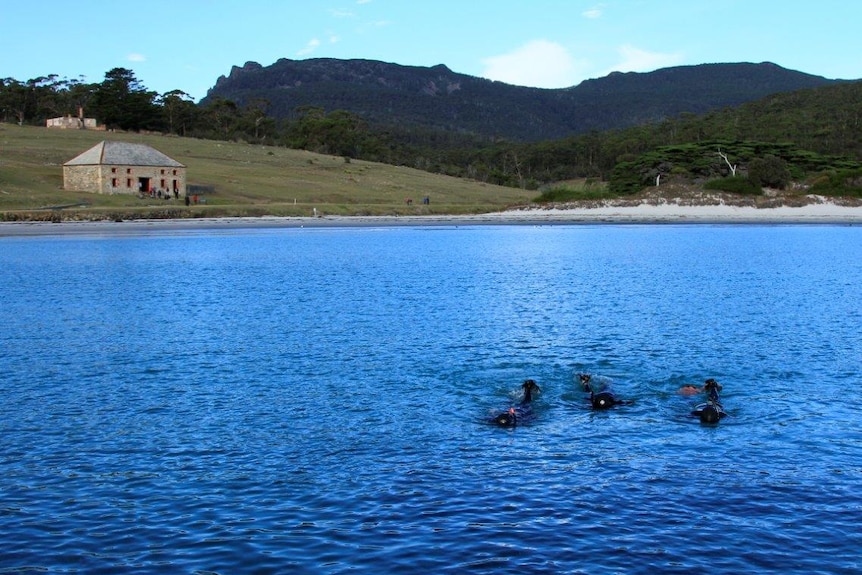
(670, 212)
(815, 213)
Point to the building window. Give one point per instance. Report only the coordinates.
(128, 182)
(162, 183)
(175, 173)
(162, 172)
(128, 170)
(113, 170)
(114, 182)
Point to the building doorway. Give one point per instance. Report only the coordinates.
(144, 185)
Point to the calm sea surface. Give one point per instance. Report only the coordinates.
(318, 401)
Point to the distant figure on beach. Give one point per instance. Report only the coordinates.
(523, 411)
(600, 396)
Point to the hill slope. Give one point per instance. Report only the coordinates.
(245, 180)
(437, 98)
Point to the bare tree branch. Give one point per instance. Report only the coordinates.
(726, 161)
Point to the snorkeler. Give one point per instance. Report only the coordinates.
(691, 389)
(712, 411)
(524, 409)
(601, 399)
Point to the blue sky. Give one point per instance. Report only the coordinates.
(188, 44)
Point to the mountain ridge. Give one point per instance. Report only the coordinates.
(436, 98)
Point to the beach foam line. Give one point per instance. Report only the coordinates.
(822, 213)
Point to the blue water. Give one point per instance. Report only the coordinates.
(318, 401)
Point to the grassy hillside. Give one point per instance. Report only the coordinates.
(248, 180)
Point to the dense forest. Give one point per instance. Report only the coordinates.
(811, 135)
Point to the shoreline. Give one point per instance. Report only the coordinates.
(819, 213)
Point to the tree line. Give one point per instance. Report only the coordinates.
(119, 102)
(818, 130)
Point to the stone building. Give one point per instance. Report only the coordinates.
(74, 123)
(123, 168)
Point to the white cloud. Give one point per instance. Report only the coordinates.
(592, 13)
(136, 57)
(341, 14)
(538, 64)
(309, 48)
(637, 60)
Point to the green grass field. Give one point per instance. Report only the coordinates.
(248, 180)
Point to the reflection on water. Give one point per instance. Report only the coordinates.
(318, 400)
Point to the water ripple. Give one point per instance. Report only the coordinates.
(318, 401)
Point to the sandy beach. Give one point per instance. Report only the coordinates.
(645, 213)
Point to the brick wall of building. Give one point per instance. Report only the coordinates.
(81, 178)
(125, 179)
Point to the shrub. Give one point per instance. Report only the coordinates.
(838, 183)
(734, 185)
(562, 194)
(769, 171)
(625, 179)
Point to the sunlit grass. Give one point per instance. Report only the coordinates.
(247, 179)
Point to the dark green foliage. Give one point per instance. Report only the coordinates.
(839, 183)
(766, 164)
(40, 98)
(628, 178)
(734, 185)
(562, 194)
(179, 113)
(338, 133)
(769, 172)
(121, 102)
